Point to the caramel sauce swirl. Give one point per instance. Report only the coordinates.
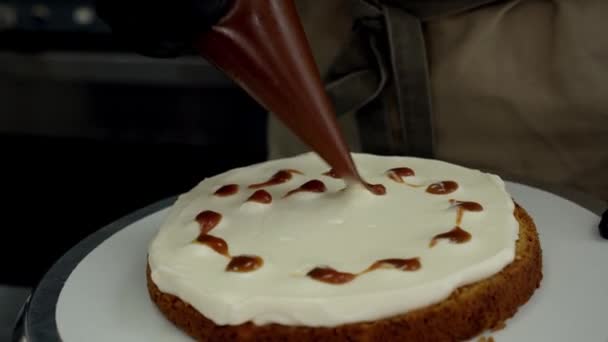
(208, 220)
(331, 276)
(399, 264)
(456, 235)
(244, 263)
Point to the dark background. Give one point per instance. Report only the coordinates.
(90, 132)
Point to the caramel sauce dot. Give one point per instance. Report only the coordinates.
(217, 244)
(330, 276)
(208, 220)
(314, 185)
(227, 190)
(244, 263)
(260, 196)
(376, 189)
(332, 173)
(467, 206)
(397, 174)
(442, 188)
(280, 177)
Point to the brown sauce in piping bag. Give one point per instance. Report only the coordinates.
(262, 46)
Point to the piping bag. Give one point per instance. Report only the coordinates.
(261, 45)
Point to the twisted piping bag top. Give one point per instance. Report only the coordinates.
(262, 46)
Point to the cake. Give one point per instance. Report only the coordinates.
(283, 251)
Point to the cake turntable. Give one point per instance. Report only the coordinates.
(97, 291)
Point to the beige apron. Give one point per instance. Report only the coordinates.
(519, 88)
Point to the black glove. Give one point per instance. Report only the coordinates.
(161, 28)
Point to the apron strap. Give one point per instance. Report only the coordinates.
(383, 75)
(412, 85)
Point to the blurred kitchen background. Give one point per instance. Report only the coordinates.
(90, 132)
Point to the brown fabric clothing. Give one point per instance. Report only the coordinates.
(521, 88)
(517, 87)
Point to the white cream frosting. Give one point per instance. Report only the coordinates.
(347, 230)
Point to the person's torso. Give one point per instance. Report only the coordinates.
(515, 87)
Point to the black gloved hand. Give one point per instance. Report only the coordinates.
(161, 28)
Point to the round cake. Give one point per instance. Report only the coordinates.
(284, 251)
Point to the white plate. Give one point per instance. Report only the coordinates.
(105, 298)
